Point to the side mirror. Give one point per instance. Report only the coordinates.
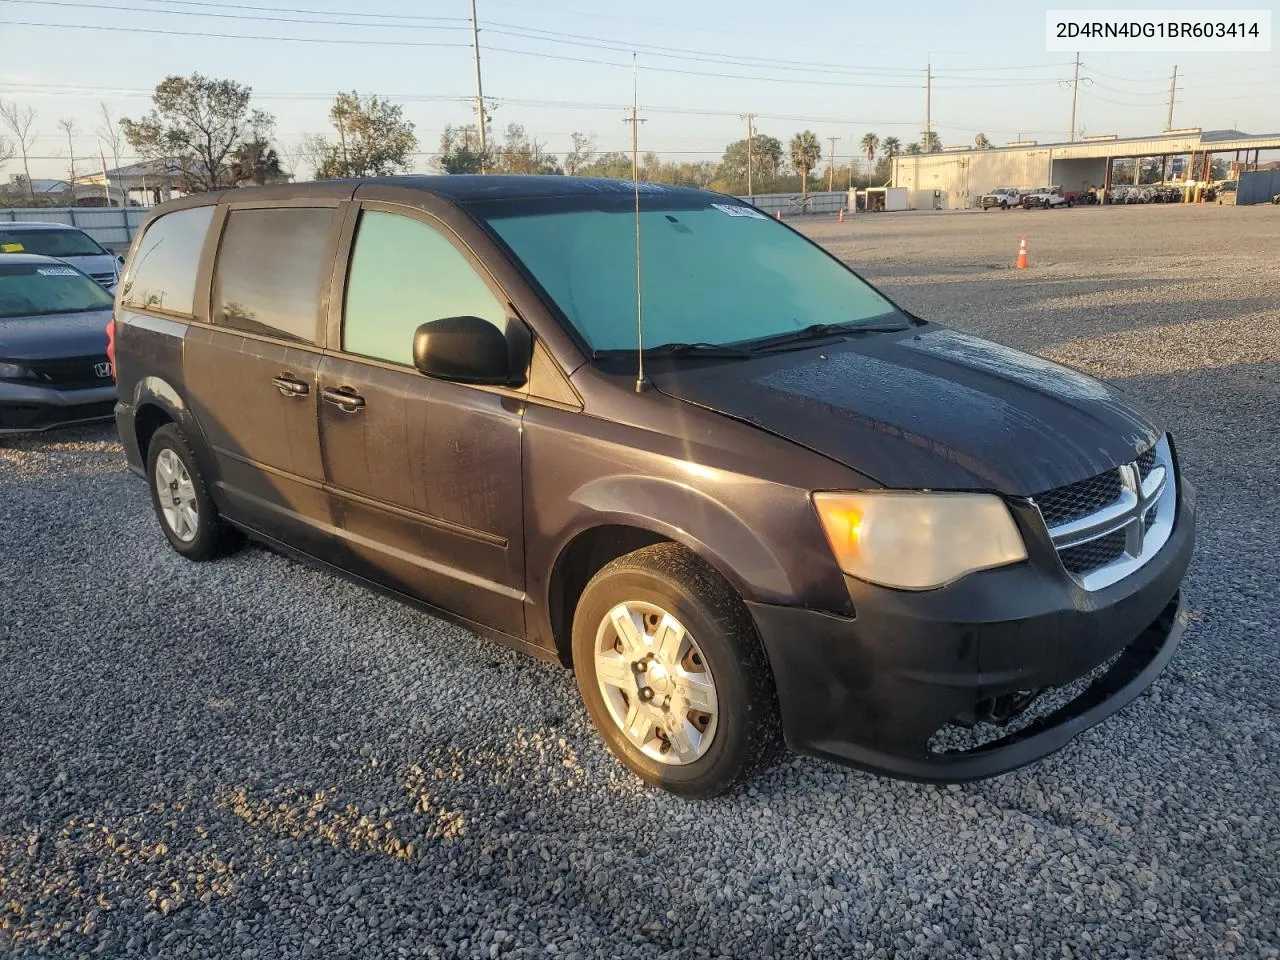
(472, 350)
(120, 261)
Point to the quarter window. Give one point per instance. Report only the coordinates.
(270, 266)
(162, 273)
(405, 273)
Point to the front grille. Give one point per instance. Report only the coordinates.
(1147, 462)
(72, 373)
(1093, 554)
(1107, 526)
(1079, 499)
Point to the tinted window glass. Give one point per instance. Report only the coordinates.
(270, 267)
(49, 243)
(35, 289)
(162, 273)
(403, 274)
(722, 273)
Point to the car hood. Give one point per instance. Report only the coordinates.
(928, 408)
(102, 263)
(54, 335)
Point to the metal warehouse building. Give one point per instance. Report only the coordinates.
(955, 178)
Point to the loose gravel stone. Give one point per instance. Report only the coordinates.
(253, 759)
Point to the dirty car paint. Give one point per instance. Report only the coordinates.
(930, 408)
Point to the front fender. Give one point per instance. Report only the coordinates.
(690, 517)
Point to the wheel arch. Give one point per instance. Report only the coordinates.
(620, 515)
(156, 402)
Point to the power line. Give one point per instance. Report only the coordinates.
(223, 16)
(231, 36)
(526, 33)
(343, 13)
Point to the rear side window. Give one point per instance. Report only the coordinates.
(405, 273)
(269, 270)
(162, 273)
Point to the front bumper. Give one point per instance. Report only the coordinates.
(872, 690)
(31, 408)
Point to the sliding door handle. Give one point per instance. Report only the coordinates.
(289, 387)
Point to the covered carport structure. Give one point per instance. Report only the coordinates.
(957, 177)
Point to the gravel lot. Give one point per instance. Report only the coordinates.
(252, 759)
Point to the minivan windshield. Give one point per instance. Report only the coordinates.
(49, 243)
(715, 274)
(39, 289)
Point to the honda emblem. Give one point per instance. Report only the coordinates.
(102, 369)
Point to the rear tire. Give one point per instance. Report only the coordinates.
(702, 717)
(187, 516)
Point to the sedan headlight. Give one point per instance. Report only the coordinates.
(918, 541)
(15, 371)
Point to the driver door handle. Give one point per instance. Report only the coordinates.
(346, 399)
(289, 387)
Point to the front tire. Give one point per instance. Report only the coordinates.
(672, 673)
(187, 516)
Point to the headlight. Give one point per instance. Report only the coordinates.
(918, 541)
(15, 371)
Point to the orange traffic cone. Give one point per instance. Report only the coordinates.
(778, 214)
(840, 219)
(1021, 263)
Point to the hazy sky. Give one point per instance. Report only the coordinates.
(834, 69)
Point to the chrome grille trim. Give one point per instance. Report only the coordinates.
(1143, 511)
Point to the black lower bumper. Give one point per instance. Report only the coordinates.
(30, 409)
(874, 689)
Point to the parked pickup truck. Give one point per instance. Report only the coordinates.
(1046, 198)
(1002, 197)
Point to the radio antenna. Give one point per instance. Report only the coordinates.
(635, 182)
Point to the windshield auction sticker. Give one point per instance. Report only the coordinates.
(1158, 31)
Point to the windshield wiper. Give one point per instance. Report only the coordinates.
(819, 331)
(683, 350)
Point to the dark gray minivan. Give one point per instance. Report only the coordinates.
(807, 514)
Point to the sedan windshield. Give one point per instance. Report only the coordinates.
(50, 243)
(37, 289)
(716, 274)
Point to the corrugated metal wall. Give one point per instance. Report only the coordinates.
(1077, 175)
(822, 202)
(963, 178)
(114, 226)
(1257, 186)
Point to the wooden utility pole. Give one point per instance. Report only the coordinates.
(1173, 86)
(480, 111)
(751, 135)
(831, 165)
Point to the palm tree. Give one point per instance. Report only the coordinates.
(870, 144)
(932, 144)
(806, 151)
(981, 142)
(913, 148)
(255, 161)
(892, 146)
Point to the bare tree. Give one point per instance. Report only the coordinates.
(6, 151)
(291, 155)
(110, 140)
(584, 150)
(19, 120)
(68, 126)
(311, 150)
